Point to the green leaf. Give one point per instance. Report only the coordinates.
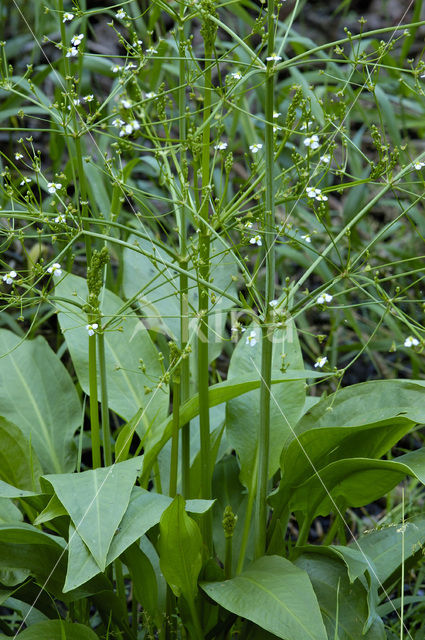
(37, 395)
(58, 630)
(274, 594)
(126, 341)
(9, 512)
(287, 402)
(81, 564)
(354, 482)
(180, 550)
(96, 501)
(343, 605)
(19, 465)
(145, 586)
(217, 394)
(54, 509)
(387, 550)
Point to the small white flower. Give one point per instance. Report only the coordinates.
(256, 240)
(76, 40)
(121, 14)
(274, 58)
(252, 339)
(126, 103)
(306, 238)
(126, 130)
(137, 43)
(324, 297)
(72, 52)
(274, 303)
(325, 159)
(248, 225)
(312, 142)
(91, 328)
(236, 75)
(255, 148)
(129, 66)
(67, 17)
(418, 165)
(409, 342)
(116, 68)
(117, 122)
(151, 51)
(276, 114)
(89, 97)
(312, 192)
(8, 277)
(320, 362)
(61, 218)
(306, 125)
(135, 124)
(321, 197)
(150, 95)
(276, 128)
(76, 101)
(220, 146)
(52, 187)
(18, 156)
(25, 181)
(55, 269)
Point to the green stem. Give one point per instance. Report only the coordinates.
(174, 462)
(195, 620)
(228, 558)
(260, 518)
(248, 516)
(412, 33)
(204, 255)
(94, 408)
(106, 432)
(184, 300)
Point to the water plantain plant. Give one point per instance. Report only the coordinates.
(210, 224)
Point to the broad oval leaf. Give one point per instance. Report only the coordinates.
(37, 395)
(19, 465)
(126, 342)
(276, 595)
(180, 550)
(58, 630)
(286, 405)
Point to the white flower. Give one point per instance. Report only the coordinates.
(67, 17)
(273, 303)
(151, 50)
(126, 130)
(418, 165)
(220, 146)
(72, 52)
(52, 187)
(321, 197)
(320, 362)
(76, 40)
(55, 269)
(89, 97)
(25, 181)
(409, 342)
(273, 58)
(312, 142)
(276, 114)
(248, 225)
(60, 218)
(118, 122)
(129, 66)
(325, 159)
(151, 94)
(126, 103)
(306, 125)
(306, 238)
(91, 328)
(256, 240)
(135, 124)
(255, 148)
(116, 68)
(76, 101)
(121, 14)
(252, 339)
(236, 75)
(8, 277)
(323, 298)
(18, 156)
(312, 192)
